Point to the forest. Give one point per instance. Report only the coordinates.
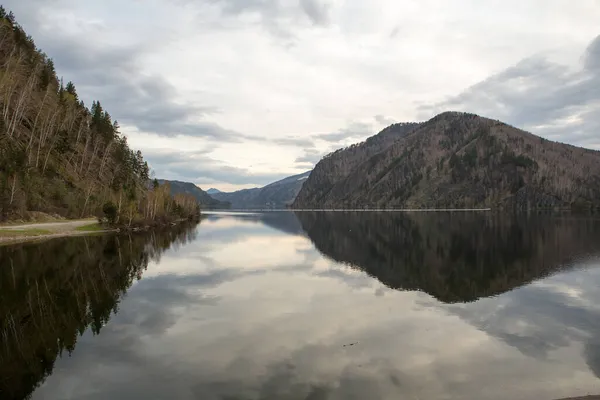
(61, 158)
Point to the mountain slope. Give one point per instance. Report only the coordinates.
(278, 194)
(458, 160)
(334, 167)
(201, 196)
(61, 158)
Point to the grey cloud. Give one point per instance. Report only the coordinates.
(112, 76)
(148, 102)
(383, 120)
(552, 318)
(282, 141)
(199, 167)
(311, 156)
(536, 94)
(354, 130)
(278, 17)
(592, 56)
(316, 11)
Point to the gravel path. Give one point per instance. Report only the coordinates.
(54, 227)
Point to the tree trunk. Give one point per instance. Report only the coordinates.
(12, 192)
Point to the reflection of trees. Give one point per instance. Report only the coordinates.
(51, 292)
(454, 257)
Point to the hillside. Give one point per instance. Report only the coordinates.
(203, 198)
(59, 157)
(278, 194)
(457, 160)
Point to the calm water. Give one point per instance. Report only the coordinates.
(313, 306)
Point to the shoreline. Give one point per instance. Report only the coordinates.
(13, 234)
(7, 240)
(31, 232)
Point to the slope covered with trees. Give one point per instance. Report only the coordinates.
(202, 197)
(458, 160)
(59, 157)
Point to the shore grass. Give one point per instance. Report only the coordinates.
(23, 232)
(94, 227)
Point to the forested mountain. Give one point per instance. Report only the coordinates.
(59, 157)
(455, 257)
(457, 160)
(203, 198)
(278, 194)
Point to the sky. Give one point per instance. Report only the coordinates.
(234, 94)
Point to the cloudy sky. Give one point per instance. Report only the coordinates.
(239, 93)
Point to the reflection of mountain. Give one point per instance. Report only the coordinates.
(456, 257)
(284, 221)
(53, 291)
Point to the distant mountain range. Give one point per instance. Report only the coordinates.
(278, 194)
(213, 191)
(203, 198)
(455, 160)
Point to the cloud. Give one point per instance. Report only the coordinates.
(548, 98)
(311, 156)
(352, 131)
(280, 18)
(545, 316)
(317, 11)
(592, 56)
(283, 141)
(255, 78)
(198, 166)
(383, 120)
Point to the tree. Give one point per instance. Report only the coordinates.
(110, 212)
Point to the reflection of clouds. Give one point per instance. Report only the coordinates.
(275, 328)
(544, 317)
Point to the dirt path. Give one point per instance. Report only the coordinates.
(51, 226)
(47, 230)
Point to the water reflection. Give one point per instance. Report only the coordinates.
(456, 257)
(52, 292)
(250, 309)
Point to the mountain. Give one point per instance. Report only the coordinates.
(278, 194)
(455, 257)
(201, 196)
(455, 160)
(213, 191)
(59, 157)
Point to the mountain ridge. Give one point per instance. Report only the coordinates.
(456, 160)
(203, 198)
(279, 194)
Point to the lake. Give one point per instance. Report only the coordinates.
(308, 306)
